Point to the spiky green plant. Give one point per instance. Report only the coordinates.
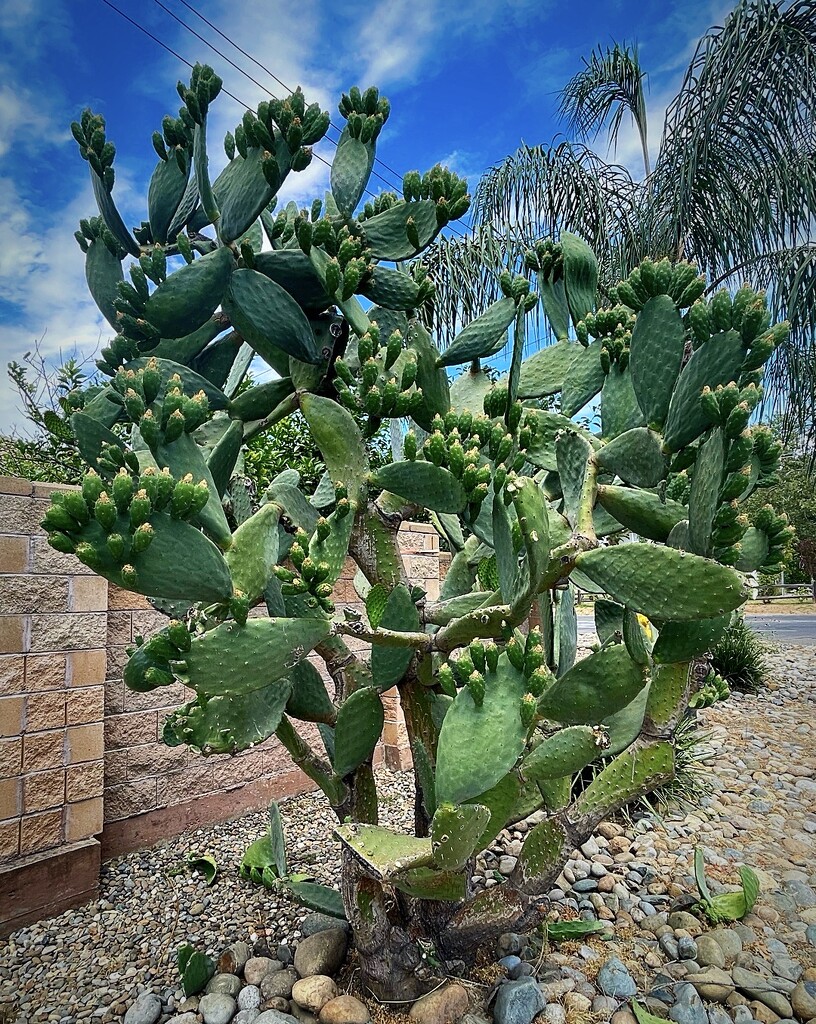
(739, 657)
(499, 719)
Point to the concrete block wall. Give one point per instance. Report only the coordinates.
(81, 757)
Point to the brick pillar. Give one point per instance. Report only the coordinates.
(53, 632)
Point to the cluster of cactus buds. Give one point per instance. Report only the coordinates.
(547, 259)
(680, 281)
(767, 451)
(89, 133)
(350, 263)
(159, 656)
(748, 314)
(132, 298)
(713, 688)
(204, 86)
(384, 385)
(517, 288)
(299, 125)
(177, 413)
(93, 228)
(122, 508)
(379, 204)
(728, 529)
(614, 329)
(311, 577)
(175, 140)
(365, 112)
(731, 406)
(442, 186)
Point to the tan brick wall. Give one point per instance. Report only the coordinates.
(78, 750)
(53, 633)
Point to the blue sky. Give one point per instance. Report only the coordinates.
(467, 83)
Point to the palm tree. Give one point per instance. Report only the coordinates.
(733, 185)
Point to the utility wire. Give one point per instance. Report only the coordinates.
(232, 96)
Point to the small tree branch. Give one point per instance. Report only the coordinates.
(384, 637)
(318, 769)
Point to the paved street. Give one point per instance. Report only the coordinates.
(795, 629)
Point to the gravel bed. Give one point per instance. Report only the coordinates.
(91, 963)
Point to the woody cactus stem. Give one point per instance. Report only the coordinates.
(502, 721)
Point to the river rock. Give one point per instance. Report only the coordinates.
(314, 992)
(234, 958)
(710, 952)
(803, 1000)
(146, 1010)
(249, 998)
(623, 1017)
(275, 1017)
(681, 919)
(689, 1007)
(278, 984)
(713, 983)
(554, 1013)
(758, 987)
(344, 1010)
(321, 953)
(314, 923)
(615, 980)
(257, 966)
(728, 940)
(762, 1013)
(444, 1006)
(217, 1008)
(184, 1018)
(517, 1002)
(248, 1016)
(225, 984)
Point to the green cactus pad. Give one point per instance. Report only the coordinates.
(566, 629)
(682, 641)
(483, 337)
(542, 450)
(555, 793)
(242, 191)
(190, 295)
(544, 372)
(512, 581)
(91, 435)
(293, 270)
(479, 745)
(467, 393)
(620, 411)
(705, 491)
(716, 362)
(656, 354)
(431, 379)
(228, 725)
(533, 519)
(359, 726)
(429, 884)
(755, 548)
(540, 858)
(554, 299)
(635, 456)
(340, 442)
(629, 776)
(235, 660)
(678, 536)
(382, 852)
(635, 638)
(572, 453)
(254, 552)
(391, 289)
(608, 619)
(386, 232)
(564, 753)
(320, 898)
(167, 187)
(111, 216)
(103, 272)
(663, 583)
(623, 728)
(389, 664)
(580, 275)
(595, 688)
(309, 701)
(423, 483)
(455, 833)
(350, 171)
(257, 402)
(583, 380)
(642, 511)
(333, 549)
(268, 318)
(669, 683)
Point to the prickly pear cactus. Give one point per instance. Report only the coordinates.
(502, 718)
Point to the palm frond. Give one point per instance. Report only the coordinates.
(609, 86)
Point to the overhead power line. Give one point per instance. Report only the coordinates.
(160, 42)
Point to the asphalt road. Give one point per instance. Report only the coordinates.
(796, 629)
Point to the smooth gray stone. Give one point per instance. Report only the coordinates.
(518, 1002)
(689, 1007)
(615, 980)
(146, 1010)
(217, 1008)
